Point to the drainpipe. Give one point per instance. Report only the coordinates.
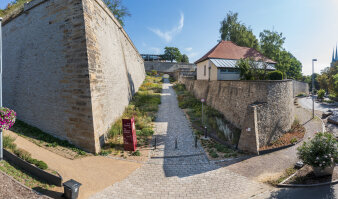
(1, 144)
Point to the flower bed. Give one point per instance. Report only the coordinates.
(293, 136)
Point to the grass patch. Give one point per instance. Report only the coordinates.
(13, 8)
(21, 153)
(25, 178)
(301, 95)
(143, 107)
(288, 172)
(43, 139)
(329, 101)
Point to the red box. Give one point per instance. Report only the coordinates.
(129, 134)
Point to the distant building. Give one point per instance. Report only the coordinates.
(220, 62)
(334, 57)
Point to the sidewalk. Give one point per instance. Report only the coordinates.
(94, 172)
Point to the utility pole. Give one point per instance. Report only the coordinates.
(313, 88)
(1, 143)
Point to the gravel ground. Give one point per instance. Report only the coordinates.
(11, 189)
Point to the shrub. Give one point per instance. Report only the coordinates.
(320, 151)
(301, 95)
(275, 75)
(8, 142)
(23, 154)
(42, 165)
(136, 153)
(333, 97)
(293, 140)
(321, 94)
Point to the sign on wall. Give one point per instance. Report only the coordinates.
(129, 134)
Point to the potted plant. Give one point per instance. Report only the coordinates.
(7, 118)
(321, 153)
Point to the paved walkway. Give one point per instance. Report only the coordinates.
(306, 102)
(94, 172)
(184, 172)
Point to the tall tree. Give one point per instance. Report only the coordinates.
(233, 30)
(172, 53)
(118, 10)
(271, 45)
(185, 58)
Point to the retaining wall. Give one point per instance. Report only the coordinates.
(69, 69)
(300, 87)
(168, 67)
(263, 107)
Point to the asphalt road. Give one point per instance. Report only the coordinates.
(306, 102)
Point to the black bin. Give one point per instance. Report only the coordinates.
(71, 189)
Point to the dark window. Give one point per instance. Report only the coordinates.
(205, 70)
(229, 70)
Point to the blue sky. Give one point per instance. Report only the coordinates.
(310, 26)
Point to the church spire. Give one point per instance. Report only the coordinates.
(336, 59)
(333, 58)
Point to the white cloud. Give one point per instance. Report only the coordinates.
(188, 49)
(168, 35)
(155, 50)
(192, 55)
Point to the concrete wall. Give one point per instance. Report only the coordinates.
(300, 87)
(69, 69)
(273, 103)
(168, 66)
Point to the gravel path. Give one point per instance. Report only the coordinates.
(184, 172)
(11, 189)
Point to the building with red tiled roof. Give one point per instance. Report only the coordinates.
(220, 62)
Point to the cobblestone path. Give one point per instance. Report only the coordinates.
(184, 172)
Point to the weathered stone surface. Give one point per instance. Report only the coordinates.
(69, 69)
(300, 87)
(273, 100)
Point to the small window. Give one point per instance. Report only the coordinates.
(229, 70)
(205, 70)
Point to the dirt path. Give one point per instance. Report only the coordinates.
(94, 172)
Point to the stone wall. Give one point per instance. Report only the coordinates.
(168, 66)
(69, 69)
(273, 103)
(300, 87)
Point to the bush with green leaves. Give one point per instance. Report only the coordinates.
(321, 94)
(275, 75)
(321, 151)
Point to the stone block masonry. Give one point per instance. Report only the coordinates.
(265, 107)
(69, 69)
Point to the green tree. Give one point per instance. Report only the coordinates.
(119, 11)
(233, 30)
(185, 58)
(172, 53)
(271, 45)
(323, 81)
(252, 70)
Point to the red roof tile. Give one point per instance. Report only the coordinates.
(229, 50)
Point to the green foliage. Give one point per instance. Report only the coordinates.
(26, 130)
(275, 75)
(8, 142)
(15, 6)
(301, 95)
(105, 152)
(321, 94)
(143, 107)
(185, 58)
(321, 151)
(251, 70)
(172, 53)
(119, 11)
(233, 30)
(293, 140)
(136, 153)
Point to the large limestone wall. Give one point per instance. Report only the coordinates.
(116, 69)
(63, 76)
(273, 103)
